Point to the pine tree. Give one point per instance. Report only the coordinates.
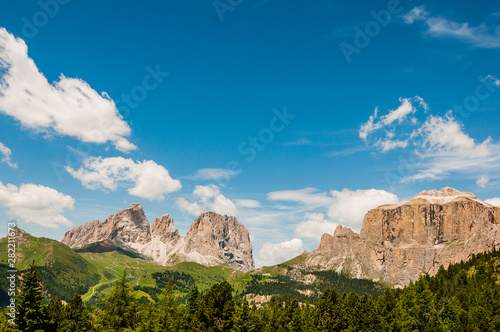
(148, 315)
(219, 306)
(168, 310)
(30, 314)
(329, 312)
(54, 313)
(119, 312)
(76, 316)
(193, 300)
(195, 311)
(242, 318)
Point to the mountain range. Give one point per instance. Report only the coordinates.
(397, 244)
(211, 240)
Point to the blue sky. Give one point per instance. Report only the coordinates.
(294, 116)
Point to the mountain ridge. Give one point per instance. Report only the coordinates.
(400, 242)
(212, 239)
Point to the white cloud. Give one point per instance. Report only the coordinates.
(370, 125)
(480, 36)
(205, 193)
(206, 174)
(443, 147)
(495, 80)
(482, 181)
(314, 226)
(224, 205)
(446, 134)
(398, 116)
(307, 196)
(247, 203)
(439, 145)
(5, 151)
(416, 14)
(347, 207)
(386, 144)
(493, 201)
(207, 198)
(350, 206)
(67, 107)
(300, 142)
(145, 179)
(189, 207)
(276, 253)
(36, 204)
(400, 113)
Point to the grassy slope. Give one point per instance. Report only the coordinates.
(111, 266)
(205, 276)
(63, 271)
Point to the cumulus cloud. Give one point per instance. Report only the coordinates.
(444, 147)
(36, 204)
(189, 207)
(145, 179)
(482, 181)
(224, 205)
(5, 151)
(481, 36)
(206, 174)
(314, 226)
(207, 198)
(350, 206)
(205, 193)
(445, 134)
(275, 253)
(493, 201)
(66, 107)
(346, 207)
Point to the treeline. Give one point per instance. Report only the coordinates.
(180, 282)
(285, 285)
(464, 297)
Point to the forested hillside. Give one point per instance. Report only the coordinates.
(464, 297)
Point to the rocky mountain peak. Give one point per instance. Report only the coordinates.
(134, 214)
(136, 206)
(223, 237)
(342, 231)
(400, 242)
(212, 239)
(164, 228)
(444, 193)
(123, 228)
